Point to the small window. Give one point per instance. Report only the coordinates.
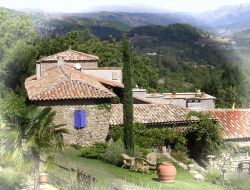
(79, 119)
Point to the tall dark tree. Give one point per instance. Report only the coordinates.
(128, 101)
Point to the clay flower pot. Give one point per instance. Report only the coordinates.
(43, 178)
(166, 172)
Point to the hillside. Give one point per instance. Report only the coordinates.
(53, 25)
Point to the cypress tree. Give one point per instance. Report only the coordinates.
(128, 101)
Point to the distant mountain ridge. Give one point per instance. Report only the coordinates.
(225, 20)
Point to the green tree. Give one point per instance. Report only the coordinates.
(128, 101)
(204, 136)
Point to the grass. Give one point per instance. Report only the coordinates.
(106, 174)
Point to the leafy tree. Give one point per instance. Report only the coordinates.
(128, 101)
(203, 137)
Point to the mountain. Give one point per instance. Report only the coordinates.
(225, 20)
(139, 19)
(57, 24)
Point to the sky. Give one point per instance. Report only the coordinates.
(120, 5)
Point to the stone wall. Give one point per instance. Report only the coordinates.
(97, 125)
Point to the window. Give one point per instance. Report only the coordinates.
(79, 119)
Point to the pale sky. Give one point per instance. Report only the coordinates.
(121, 5)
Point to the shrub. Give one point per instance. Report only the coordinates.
(11, 181)
(94, 151)
(181, 156)
(141, 152)
(214, 176)
(76, 146)
(239, 182)
(113, 153)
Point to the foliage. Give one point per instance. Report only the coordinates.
(238, 182)
(203, 137)
(128, 100)
(162, 159)
(11, 105)
(148, 137)
(214, 176)
(94, 151)
(11, 181)
(180, 153)
(113, 153)
(16, 53)
(34, 130)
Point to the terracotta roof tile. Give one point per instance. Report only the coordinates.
(70, 55)
(235, 123)
(65, 83)
(152, 114)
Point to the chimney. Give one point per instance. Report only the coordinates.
(198, 93)
(60, 61)
(38, 71)
(139, 92)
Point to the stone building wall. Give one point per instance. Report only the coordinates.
(97, 121)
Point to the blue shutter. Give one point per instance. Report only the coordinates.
(83, 118)
(79, 119)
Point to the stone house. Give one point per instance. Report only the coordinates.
(68, 83)
(235, 128)
(195, 101)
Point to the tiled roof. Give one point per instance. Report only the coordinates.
(101, 80)
(235, 123)
(65, 83)
(152, 114)
(70, 55)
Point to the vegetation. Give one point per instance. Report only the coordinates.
(107, 174)
(238, 182)
(31, 129)
(214, 176)
(128, 100)
(11, 180)
(203, 138)
(94, 151)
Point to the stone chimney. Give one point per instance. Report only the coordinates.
(38, 71)
(60, 61)
(139, 92)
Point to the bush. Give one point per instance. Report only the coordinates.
(239, 182)
(11, 181)
(140, 152)
(113, 153)
(94, 151)
(214, 176)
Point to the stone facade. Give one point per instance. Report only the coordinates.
(97, 125)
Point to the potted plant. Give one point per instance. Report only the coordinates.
(165, 170)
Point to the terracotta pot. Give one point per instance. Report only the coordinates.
(166, 172)
(43, 178)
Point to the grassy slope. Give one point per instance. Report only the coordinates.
(107, 173)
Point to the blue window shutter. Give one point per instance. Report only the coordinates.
(79, 119)
(77, 123)
(83, 118)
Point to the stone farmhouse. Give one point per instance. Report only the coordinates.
(81, 94)
(196, 101)
(77, 89)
